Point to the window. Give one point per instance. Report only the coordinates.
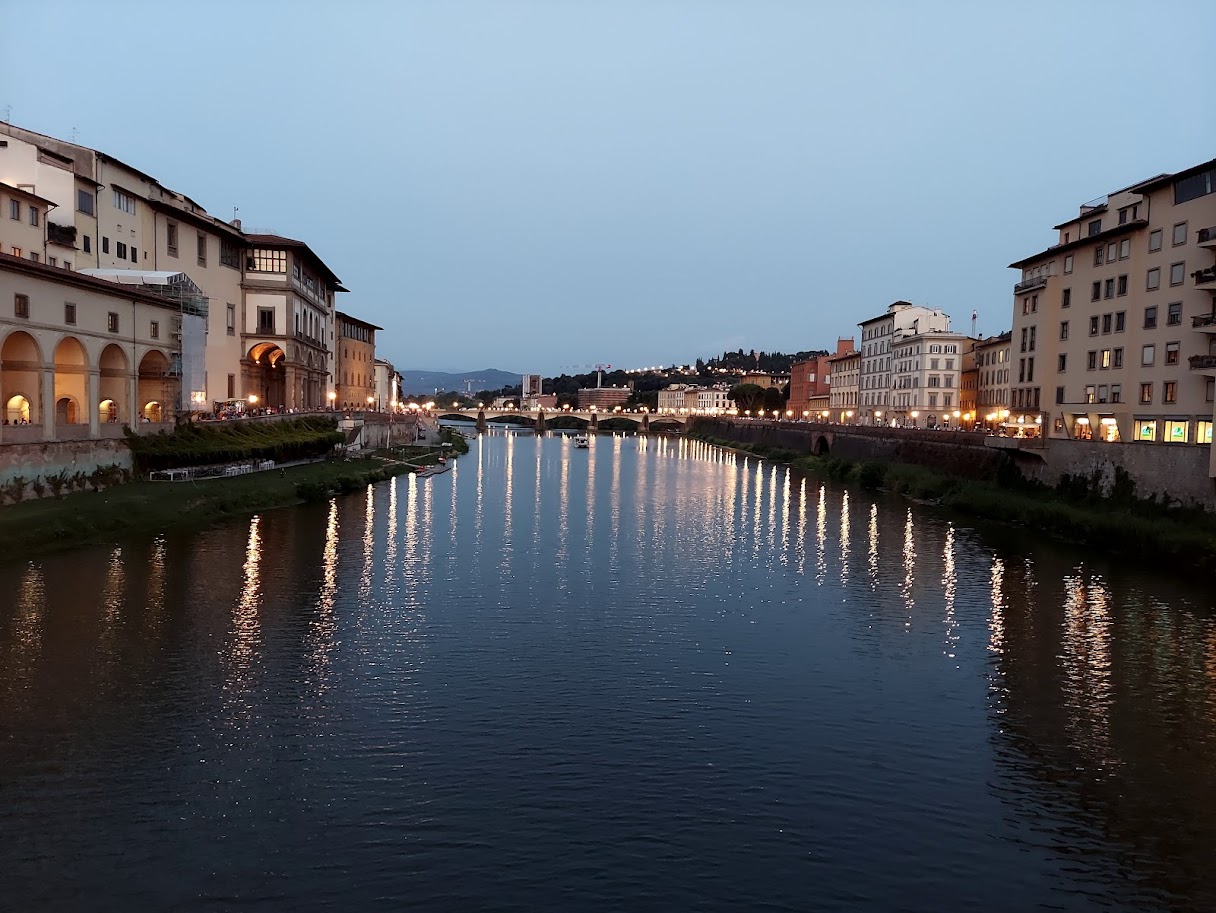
(1169, 391)
(1068, 264)
(1203, 432)
(1116, 392)
(1125, 248)
(16, 251)
(1210, 393)
(134, 255)
(1059, 394)
(1197, 185)
(1062, 364)
(1179, 234)
(266, 320)
(154, 329)
(1146, 393)
(21, 306)
(1112, 252)
(14, 210)
(1034, 309)
(1146, 428)
(171, 238)
(1063, 329)
(1106, 318)
(1123, 284)
(1110, 289)
(1171, 353)
(266, 261)
(1066, 298)
(1024, 338)
(88, 244)
(950, 361)
(1123, 216)
(1099, 255)
(1154, 279)
(1095, 291)
(1177, 273)
(1101, 393)
(1095, 227)
(1118, 357)
(1147, 355)
(124, 202)
(121, 249)
(202, 249)
(230, 254)
(1154, 240)
(67, 264)
(34, 256)
(231, 321)
(1093, 325)
(1173, 313)
(1089, 394)
(34, 216)
(112, 322)
(1025, 305)
(69, 313)
(1150, 317)
(1091, 360)
(84, 202)
(1105, 360)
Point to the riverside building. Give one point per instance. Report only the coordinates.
(356, 365)
(1114, 325)
(843, 386)
(992, 371)
(926, 379)
(878, 335)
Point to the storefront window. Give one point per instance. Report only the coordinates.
(1146, 429)
(1109, 430)
(1176, 431)
(1203, 432)
(1081, 428)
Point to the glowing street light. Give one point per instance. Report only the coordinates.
(253, 399)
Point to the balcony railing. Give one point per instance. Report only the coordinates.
(1204, 320)
(1027, 285)
(1203, 362)
(1207, 235)
(1204, 276)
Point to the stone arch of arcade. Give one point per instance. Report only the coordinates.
(265, 370)
(21, 379)
(155, 399)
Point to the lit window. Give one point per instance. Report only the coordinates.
(1203, 432)
(1176, 431)
(1146, 429)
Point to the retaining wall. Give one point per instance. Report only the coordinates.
(41, 460)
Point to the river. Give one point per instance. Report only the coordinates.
(648, 676)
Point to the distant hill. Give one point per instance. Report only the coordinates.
(430, 381)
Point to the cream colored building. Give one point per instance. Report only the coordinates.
(878, 336)
(1114, 325)
(992, 368)
(356, 374)
(23, 221)
(388, 385)
(844, 386)
(80, 356)
(926, 379)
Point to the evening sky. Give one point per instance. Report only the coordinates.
(537, 185)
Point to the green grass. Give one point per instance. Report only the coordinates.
(88, 518)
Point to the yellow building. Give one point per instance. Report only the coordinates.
(355, 380)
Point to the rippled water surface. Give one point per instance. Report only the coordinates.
(647, 676)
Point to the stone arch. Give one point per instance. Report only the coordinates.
(114, 389)
(20, 377)
(822, 447)
(154, 387)
(265, 375)
(71, 381)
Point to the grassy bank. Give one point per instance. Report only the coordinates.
(89, 518)
(1118, 523)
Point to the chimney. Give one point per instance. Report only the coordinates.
(236, 223)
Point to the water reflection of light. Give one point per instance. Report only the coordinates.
(950, 589)
(563, 505)
(112, 597)
(507, 490)
(156, 576)
(25, 644)
(1086, 663)
(590, 496)
(369, 543)
(452, 508)
(324, 625)
(802, 526)
(873, 556)
(905, 589)
(785, 520)
(246, 630)
(996, 620)
(757, 495)
(481, 475)
(772, 510)
(844, 540)
(410, 482)
(821, 537)
(614, 506)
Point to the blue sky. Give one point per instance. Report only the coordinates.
(535, 185)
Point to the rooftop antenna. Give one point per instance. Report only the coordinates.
(975, 315)
(74, 132)
(8, 113)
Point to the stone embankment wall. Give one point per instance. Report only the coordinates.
(1167, 471)
(32, 461)
(375, 433)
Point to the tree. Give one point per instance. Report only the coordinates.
(746, 397)
(773, 400)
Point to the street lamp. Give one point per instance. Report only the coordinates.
(253, 399)
(370, 401)
(331, 396)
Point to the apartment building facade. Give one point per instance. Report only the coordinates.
(810, 379)
(878, 336)
(355, 377)
(844, 386)
(992, 356)
(926, 379)
(1114, 325)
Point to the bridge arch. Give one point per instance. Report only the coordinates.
(822, 447)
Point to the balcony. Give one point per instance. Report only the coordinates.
(1029, 285)
(1207, 237)
(1205, 363)
(1205, 276)
(1205, 322)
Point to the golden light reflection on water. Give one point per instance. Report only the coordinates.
(802, 526)
(507, 493)
(455, 476)
(772, 510)
(156, 578)
(845, 536)
(996, 619)
(325, 623)
(905, 589)
(563, 505)
(590, 454)
(369, 543)
(113, 601)
(757, 503)
(949, 591)
(481, 476)
(873, 555)
(246, 627)
(1086, 663)
(614, 505)
(821, 537)
(785, 519)
(25, 643)
(390, 535)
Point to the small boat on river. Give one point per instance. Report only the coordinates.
(425, 472)
(582, 442)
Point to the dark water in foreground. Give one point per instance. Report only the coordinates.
(644, 677)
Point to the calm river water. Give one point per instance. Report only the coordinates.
(650, 676)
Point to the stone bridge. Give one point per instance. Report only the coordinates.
(644, 421)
